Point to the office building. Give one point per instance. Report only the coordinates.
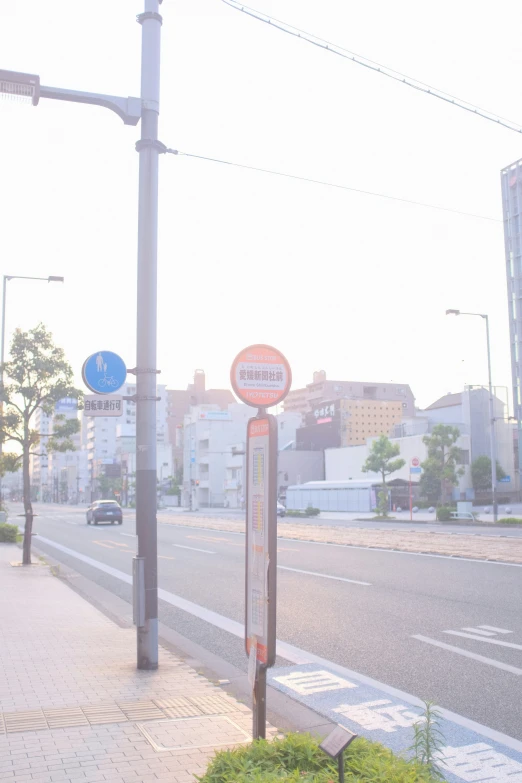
(179, 402)
(322, 390)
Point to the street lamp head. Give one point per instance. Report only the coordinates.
(452, 312)
(20, 86)
(54, 279)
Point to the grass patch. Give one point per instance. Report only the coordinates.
(298, 759)
(509, 521)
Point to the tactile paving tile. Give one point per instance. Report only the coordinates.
(104, 713)
(213, 705)
(177, 708)
(32, 720)
(140, 710)
(62, 718)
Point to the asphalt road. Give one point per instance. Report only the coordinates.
(443, 629)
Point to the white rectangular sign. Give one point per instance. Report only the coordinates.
(257, 552)
(103, 404)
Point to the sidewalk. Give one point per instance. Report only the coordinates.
(73, 707)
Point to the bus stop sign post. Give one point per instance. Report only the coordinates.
(261, 377)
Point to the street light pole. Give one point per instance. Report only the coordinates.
(49, 279)
(492, 439)
(149, 149)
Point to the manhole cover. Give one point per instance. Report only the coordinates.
(210, 731)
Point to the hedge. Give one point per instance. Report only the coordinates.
(8, 533)
(298, 759)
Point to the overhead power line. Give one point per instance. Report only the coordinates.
(382, 69)
(331, 185)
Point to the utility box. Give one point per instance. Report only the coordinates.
(464, 507)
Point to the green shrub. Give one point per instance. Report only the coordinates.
(298, 759)
(509, 521)
(8, 533)
(308, 512)
(444, 513)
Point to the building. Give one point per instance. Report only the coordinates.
(322, 390)
(348, 422)
(346, 464)
(334, 495)
(179, 402)
(58, 477)
(469, 411)
(209, 436)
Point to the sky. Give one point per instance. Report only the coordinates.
(349, 283)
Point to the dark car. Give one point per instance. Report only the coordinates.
(104, 511)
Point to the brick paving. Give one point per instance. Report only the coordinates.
(483, 547)
(73, 707)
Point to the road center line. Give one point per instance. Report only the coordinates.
(492, 628)
(325, 576)
(487, 641)
(296, 655)
(467, 654)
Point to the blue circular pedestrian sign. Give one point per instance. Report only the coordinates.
(104, 372)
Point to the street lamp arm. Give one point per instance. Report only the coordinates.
(128, 109)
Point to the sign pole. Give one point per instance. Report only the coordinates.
(261, 377)
(411, 502)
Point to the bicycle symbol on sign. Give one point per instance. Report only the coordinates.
(110, 382)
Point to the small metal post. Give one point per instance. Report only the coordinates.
(340, 766)
(259, 711)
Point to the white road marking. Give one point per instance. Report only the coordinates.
(387, 717)
(480, 762)
(194, 549)
(467, 654)
(479, 631)
(130, 535)
(325, 576)
(295, 654)
(492, 628)
(487, 641)
(306, 683)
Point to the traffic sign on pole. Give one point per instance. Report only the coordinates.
(104, 372)
(415, 462)
(103, 405)
(261, 376)
(261, 559)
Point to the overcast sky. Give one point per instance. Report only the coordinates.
(349, 283)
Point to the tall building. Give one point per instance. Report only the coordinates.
(322, 390)
(511, 182)
(348, 422)
(179, 404)
(57, 476)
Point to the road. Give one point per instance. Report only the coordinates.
(439, 628)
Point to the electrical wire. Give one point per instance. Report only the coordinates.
(331, 185)
(382, 69)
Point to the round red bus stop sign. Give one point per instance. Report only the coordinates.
(260, 376)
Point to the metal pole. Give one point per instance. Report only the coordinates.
(493, 449)
(259, 711)
(2, 359)
(148, 148)
(340, 766)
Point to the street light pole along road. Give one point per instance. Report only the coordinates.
(131, 110)
(50, 279)
(492, 440)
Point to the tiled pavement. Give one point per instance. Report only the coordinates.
(73, 707)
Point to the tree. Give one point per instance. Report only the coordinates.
(37, 377)
(381, 460)
(440, 471)
(481, 473)
(110, 488)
